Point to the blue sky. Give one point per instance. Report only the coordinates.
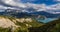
(47, 2)
(39, 5)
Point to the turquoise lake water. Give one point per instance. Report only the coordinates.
(46, 20)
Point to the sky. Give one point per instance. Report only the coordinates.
(47, 2)
(51, 6)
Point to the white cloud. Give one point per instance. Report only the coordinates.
(37, 7)
(54, 7)
(3, 7)
(13, 3)
(44, 7)
(57, 1)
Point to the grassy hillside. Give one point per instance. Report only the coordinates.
(27, 24)
(53, 26)
(12, 24)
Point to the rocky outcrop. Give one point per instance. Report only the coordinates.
(17, 24)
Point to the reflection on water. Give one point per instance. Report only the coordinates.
(46, 20)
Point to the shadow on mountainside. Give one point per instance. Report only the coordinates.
(53, 26)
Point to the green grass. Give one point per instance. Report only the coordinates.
(56, 28)
(23, 27)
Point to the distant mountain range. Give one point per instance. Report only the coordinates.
(23, 14)
(46, 14)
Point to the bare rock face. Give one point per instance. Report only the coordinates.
(5, 22)
(17, 24)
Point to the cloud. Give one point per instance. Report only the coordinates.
(2, 7)
(28, 7)
(13, 3)
(54, 7)
(57, 0)
(44, 7)
(47, 8)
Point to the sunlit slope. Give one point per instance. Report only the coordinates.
(12, 24)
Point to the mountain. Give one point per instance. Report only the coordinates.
(17, 13)
(53, 26)
(12, 24)
(20, 13)
(13, 21)
(48, 15)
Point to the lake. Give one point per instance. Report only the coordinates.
(46, 20)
